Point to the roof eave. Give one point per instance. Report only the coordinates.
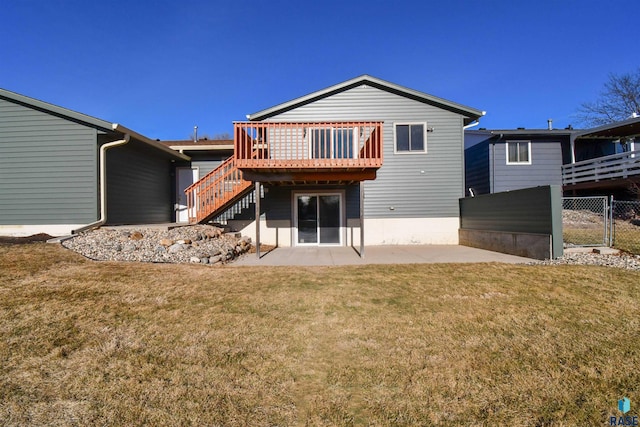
(469, 113)
(55, 110)
(609, 126)
(155, 144)
(202, 147)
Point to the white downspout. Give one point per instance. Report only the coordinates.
(470, 125)
(103, 184)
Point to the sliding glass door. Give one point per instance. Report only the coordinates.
(333, 143)
(318, 219)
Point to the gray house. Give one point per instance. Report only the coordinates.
(362, 154)
(62, 171)
(512, 159)
(601, 160)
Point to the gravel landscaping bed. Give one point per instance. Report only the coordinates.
(621, 260)
(201, 244)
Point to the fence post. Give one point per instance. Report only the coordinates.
(605, 214)
(611, 230)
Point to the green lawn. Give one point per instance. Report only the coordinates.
(88, 343)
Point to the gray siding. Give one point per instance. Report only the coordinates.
(476, 168)
(48, 168)
(545, 167)
(205, 166)
(278, 201)
(208, 161)
(138, 185)
(414, 185)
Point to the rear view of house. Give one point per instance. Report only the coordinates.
(364, 154)
(62, 171)
(321, 169)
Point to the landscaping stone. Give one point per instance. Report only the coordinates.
(136, 235)
(158, 245)
(175, 248)
(213, 233)
(166, 242)
(621, 260)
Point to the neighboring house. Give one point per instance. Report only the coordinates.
(505, 160)
(62, 171)
(605, 160)
(592, 161)
(362, 152)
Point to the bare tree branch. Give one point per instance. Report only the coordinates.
(618, 101)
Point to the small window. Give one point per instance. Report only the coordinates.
(410, 138)
(518, 152)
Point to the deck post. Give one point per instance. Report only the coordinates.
(361, 219)
(257, 195)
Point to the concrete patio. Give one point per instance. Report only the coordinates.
(412, 254)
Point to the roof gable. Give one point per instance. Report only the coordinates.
(55, 110)
(83, 119)
(469, 113)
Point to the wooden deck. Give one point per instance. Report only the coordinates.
(319, 151)
(287, 153)
(601, 170)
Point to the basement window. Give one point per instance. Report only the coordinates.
(518, 152)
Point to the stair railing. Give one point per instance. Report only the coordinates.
(211, 193)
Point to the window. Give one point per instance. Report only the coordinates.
(518, 152)
(332, 143)
(410, 137)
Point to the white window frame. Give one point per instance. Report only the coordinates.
(395, 138)
(506, 150)
(332, 132)
(317, 193)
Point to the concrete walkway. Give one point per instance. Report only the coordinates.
(414, 254)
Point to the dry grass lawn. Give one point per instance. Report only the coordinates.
(88, 343)
(627, 237)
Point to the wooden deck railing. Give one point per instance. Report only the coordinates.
(318, 145)
(215, 190)
(616, 166)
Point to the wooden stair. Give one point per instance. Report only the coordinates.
(216, 191)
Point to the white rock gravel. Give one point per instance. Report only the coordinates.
(201, 244)
(621, 260)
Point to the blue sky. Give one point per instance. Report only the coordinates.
(161, 67)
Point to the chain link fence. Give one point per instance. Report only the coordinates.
(585, 221)
(601, 221)
(625, 225)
